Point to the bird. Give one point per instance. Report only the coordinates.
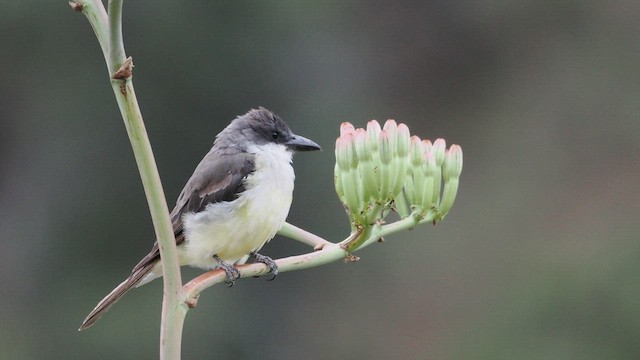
(236, 200)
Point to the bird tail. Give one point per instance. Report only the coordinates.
(135, 279)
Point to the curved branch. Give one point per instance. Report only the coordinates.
(329, 252)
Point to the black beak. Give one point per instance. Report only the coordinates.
(300, 143)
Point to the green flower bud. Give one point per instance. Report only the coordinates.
(403, 143)
(400, 205)
(409, 191)
(451, 171)
(452, 167)
(337, 180)
(351, 149)
(416, 151)
(438, 150)
(391, 128)
(363, 157)
(360, 138)
(439, 147)
(373, 130)
(429, 171)
(404, 140)
(346, 177)
(365, 166)
(384, 147)
(342, 153)
(428, 147)
(416, 158)
(448, 197)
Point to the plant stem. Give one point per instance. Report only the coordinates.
(108, 30)
(116, 53)
(170, 334)
(296, 233)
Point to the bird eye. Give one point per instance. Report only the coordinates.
(275, 135)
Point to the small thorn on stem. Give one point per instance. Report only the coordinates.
(381, 239)
(319, 247)
(75, 6)
(351, 258)
(192, 302)
(125, 71)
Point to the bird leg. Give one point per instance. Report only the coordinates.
(229, 269)
(273, 267)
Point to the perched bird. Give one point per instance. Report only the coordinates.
(236, 200)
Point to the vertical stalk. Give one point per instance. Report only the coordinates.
(108, 30)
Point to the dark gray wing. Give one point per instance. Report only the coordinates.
(217, 178)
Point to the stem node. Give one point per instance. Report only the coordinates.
(125, 71)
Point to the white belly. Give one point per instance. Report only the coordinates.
(231, 230)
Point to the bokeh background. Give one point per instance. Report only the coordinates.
(538, 259)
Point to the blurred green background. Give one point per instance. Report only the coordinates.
(538, 259)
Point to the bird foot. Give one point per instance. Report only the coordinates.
(231, 271)
(271, 264)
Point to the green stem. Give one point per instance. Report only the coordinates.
(411, 221)
(116, 53)
(108, 30)
(97, 16)
(170, 334)
(296, 233)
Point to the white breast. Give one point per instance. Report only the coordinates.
(232, 230)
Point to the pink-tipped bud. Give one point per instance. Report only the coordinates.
(428, 146)
(345, 151)
(342, 153)
(390, 126)
(429, 165)
(384, 146)
(439, 147)
(416, 151)
(404, 140)
(373, 127)
(452, 167)
(346, 128)
(373, 130)
(451, 170)
(361, 145)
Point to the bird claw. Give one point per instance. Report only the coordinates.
(230, 270)
(271, 264)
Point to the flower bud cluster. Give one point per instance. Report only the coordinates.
(379, 168)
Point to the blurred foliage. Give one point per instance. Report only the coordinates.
(539, 258)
